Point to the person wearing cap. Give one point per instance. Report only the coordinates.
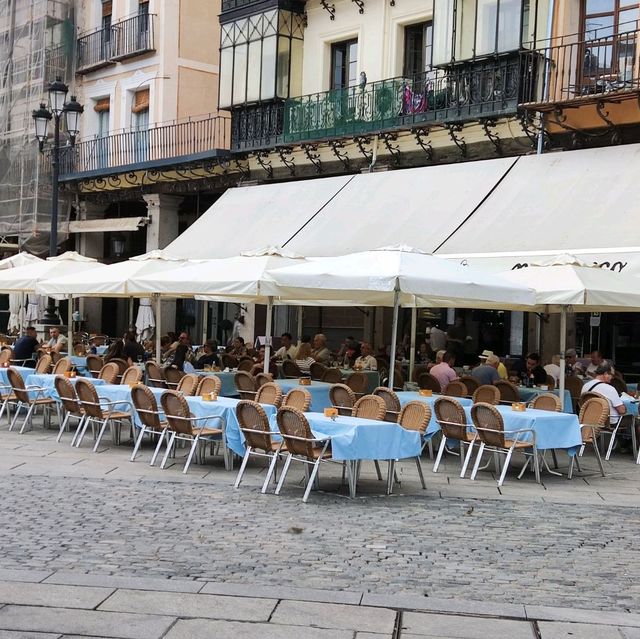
(502, 369)
(601, 385)
(94, 342)
(487, 373)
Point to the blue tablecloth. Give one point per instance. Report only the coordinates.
(319, 392)
(101, 350)
(47, 381)
(631, 406)
(227, 379)
(552, 429)
(373, 378)
(23, 370)
(411, 396)
(80, 364)
(529, 394)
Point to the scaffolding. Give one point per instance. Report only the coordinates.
(36, 46)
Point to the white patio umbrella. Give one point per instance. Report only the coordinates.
(234, 279)
(396, 276)
(35, 307)
(567, 284)
(17, 300)
(145, 320)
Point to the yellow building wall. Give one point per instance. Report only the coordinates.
(197, 92)
(198, 40)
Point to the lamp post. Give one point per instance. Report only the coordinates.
(57, 109)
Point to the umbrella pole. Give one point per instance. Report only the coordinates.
(300, 317)
(70, 324)
(205, 317)
(412, 354)
(267, 340)
(158, 328)
(130, 314)
(563, 346)
(394, 332)
(22, 314)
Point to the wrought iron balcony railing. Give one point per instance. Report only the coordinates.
(140, 148)
(465, 92)
(575, 69)
(94, 50)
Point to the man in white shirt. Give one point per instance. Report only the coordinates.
(601, 386)
(58, 342)
(596, 360)
(366, 361)
(287, 350)
(553, 369)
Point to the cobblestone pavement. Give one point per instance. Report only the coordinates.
(565, 544)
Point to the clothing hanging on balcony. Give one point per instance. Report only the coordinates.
(413, 102)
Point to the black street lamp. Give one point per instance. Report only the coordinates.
(71, 111)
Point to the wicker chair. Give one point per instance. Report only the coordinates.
(43, 365)
(109, 373)
(489, 425)
(30, 397)
(398, 380)
(100, 411)
(155, 375)
(586, 397)
(245, 385)
(487, 394)
(71, 405)
(152, 420)
(551, 382)
(209, 384)
(229, 361)
(317, 370)
(62, 366)
(188, 384)
(122, 366)
(269, 393)
(417, 371)
(290, 369)
(298, 398)
(357, 382)
(94, 364)
(183, 426)
(246, 365)
(301, 445)
(573, 384)
(471, 383)
(6, 355)
(342, 398)
(547, 401)
(414, 416)
(429, 382)
(453, 425)
(132, 375)
(173, 377)
(332, 376)
(509, 392)
(391, 401)
(262, 379)
(456, 389)
(370, 407)
(594, 416)
(254, 425)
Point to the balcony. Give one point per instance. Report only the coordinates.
(465, 92)
(125, 39)
(162, 145)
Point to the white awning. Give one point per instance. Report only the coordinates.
(108, 224)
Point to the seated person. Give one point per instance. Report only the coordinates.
(439, 356)
(115, 351)
(443, 371)
(366, 361)
(320, 351)
(183, 352)
(94, 342)
(209, 356)
(238, 349)
(349, 351)
(601, 385)
(596, 360)
(487, 373)
(530, 370)
(423, 356)
(553, 369)
(287, 350)
(132, 351)
(304, 358)
(58, 342)
(25, 348)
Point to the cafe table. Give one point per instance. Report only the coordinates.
(413, 396)
(47, 381)
(227, 379)
(319, 392)
(373, 378)
(529, 394)
(25, 371)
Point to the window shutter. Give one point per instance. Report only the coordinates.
(143, 1)
(101, 105)
(140, 101)
(107, 8)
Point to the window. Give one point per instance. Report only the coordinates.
(101, 107)
(418, 43)
(344, 64)
(106, 29)
(140, 124)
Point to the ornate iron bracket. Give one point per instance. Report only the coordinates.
(262, 157)
(360, 4)
(394, 149)
(343, 158)
(528, 127)
(329, 8)
(458, 141)
(360, 141)
(422, 140)
(286, 157)
(310, 150)
(245, 171)
(487, 125)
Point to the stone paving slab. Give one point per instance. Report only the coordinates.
(17, 634)
(577, 615)
(112, 581)
(34, 576)
(30, 594)
(454, 627)
(84, 622)
(556, 630)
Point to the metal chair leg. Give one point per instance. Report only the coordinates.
(27, 419)
(15, 417)
(419, 465)
(285, 469)
(63, 426)
(599, 458)
(270, 472)
(245, 459)
(169, 447)
(100, 434)
(505, 467)
(158, 447)
(377, 465)
(314, 474)
(194, 447)
(138, 442)
(440, 453)
(467, 458)
(474, 472)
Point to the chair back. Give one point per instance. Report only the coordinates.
(451, 417)
(332, 376)
(587, 396)
(594, 415)
(429, 382)
(62, 366)
(573, 384)
(417, 371)
(229, 361)
(456, 388)
(109, 373)
(43, 365)
(123, 364)
(155, 375)
(17, 385)
(94, 364)
(619, 385)
(245, 385)
(357, 382)
(173, 377)
(176, 411)
(398, 379)
(291, 369)
(269, 393)
(132, 375)
(188, 384)
(471, 383)
(263, 378)
(252, 417)
(209, 384)
(489, 424)
(508, 391)
(317, 370)
(295, 431)
(245, 365)
(6, 355)
(144, 401)
(415, 416)
(342, 398)
(551, 382)
(88, 397)
(547, 401)
(298, 398)
(55, 357)
(487, 393)
(391, 402)
(68, 395)
(370, 407)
